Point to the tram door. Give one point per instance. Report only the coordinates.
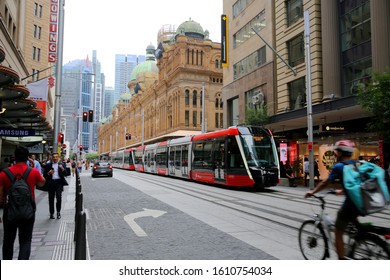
(219, 161)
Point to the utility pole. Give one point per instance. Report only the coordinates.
(60, 49)
(309, 101)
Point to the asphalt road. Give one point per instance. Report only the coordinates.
(171, 235)
(137, 216)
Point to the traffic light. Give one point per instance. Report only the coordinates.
(90, 116)
(85, 116)
(61, 138)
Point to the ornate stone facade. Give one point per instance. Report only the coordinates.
(168, 104)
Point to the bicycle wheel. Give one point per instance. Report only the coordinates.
(369, 247)
(312, 241)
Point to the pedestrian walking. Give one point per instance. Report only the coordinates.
(73, 168)
(23, 227)
(316, 170)
(79, 165)
(306, 169)
(55, 173)
(33, 162)
(290, 174)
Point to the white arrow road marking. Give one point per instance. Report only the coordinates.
(130, 219)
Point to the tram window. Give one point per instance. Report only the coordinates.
(207, 155)
(171, 156)
(202, 155)
(177, 158)
(234, 156)
(161, 157)
(219, 153)
(198, 155)
(138, 157)
(184, 156)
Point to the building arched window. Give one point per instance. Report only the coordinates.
(216, 64)
(187, 97)
(194, 98)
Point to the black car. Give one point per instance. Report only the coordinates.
(102, 168)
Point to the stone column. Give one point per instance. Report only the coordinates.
(380, 35)
(330, 49)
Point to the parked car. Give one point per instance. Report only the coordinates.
(102, 168)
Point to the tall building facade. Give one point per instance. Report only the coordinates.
(348, 42)
(78, 97)
(71, 88)
(108, 103)
(23, 30)
(249, 78)
(97, 99)
(124, 66)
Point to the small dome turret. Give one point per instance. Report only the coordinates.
(192, 29)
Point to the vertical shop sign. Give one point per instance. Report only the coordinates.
(283, 152)
(224, 40)
(53, 30)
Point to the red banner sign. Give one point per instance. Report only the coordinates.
(53, 29)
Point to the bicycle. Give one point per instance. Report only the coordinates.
(364, 240)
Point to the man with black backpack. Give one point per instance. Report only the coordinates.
(18, 183)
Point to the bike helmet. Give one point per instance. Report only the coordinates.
(345, 146)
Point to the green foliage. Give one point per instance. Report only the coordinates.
(91, 156)
(256, 116)
(375, 99)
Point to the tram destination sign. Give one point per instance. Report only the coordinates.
(16, 132)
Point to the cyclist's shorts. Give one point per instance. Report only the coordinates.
(344, 216)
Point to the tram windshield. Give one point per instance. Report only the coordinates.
(259, 150)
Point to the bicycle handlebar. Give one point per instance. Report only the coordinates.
(321, 196)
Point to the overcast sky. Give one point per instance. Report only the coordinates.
(128, 26)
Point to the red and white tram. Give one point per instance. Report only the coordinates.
(240, 156)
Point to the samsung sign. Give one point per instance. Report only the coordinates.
(17, 132)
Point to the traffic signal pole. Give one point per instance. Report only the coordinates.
(58, 86)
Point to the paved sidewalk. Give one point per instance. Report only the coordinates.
(52, 239)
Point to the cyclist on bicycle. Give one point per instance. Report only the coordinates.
(343, 151)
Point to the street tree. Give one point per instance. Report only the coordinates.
(256, 116)
(375, 99)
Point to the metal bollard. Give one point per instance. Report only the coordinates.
(81, 240)
(79, 209)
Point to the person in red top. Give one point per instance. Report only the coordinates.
(25, 228)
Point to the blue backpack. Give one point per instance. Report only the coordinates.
(364, 183)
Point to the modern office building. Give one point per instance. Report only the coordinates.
(348, 42)
(124, 65)
(77, 98)
(70, 113)
(108, 103)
